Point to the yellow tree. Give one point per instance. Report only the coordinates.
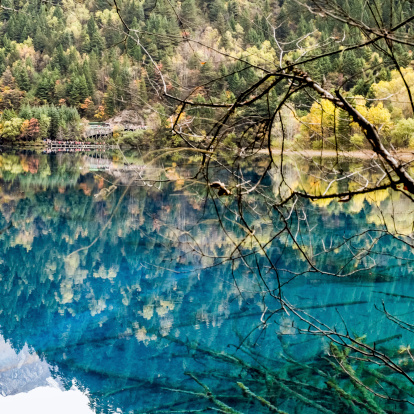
(319, 123)
(394, 92)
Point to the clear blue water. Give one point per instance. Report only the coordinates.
(109, 290)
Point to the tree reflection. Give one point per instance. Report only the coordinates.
(129, 291)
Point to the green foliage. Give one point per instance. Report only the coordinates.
(53, 114)
(25, 112)
(403, 133)
(44, 89)
(10, 130)
(133, 138)
(44, 124)
(75, 54)
(47, 121)
(189, 12)
(22, 77)
(358, 141)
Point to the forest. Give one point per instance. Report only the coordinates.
(65, 63)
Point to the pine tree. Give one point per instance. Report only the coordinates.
(85, 42)
(66, 40)
(78, 90)
(252, 38)
(25, 112)
(8, 114)
(6, 44)
(44, 123)
(194, 61)
(12, 30)
(134, 50)
(23, 79)
(24, 34)
(139, 12)
(214, 7)
(222, 24)
(189, 13)
(53, 114)
(351, 64)
(362, 87)
(61, 59)
(83, 88)
(88, 77)
(110, 100)
(97, 42)
(233, 8)
(207, 71)
(94, 66)
(384, 75)
(43, 89)
(40, 40)
(92, 28)
(3, 62)
(343, 132)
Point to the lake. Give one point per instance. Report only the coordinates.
(116, 282)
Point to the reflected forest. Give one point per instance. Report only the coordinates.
(155, 298)
(207, 205)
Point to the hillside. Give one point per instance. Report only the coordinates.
(93, 59)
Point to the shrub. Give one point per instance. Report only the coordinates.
(358, 140)
(403, 133)
(132, 138)
(11, 129)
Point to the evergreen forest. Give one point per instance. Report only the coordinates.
(68, 62)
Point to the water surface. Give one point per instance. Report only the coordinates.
(103, 284)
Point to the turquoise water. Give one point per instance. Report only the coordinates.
(109, 288)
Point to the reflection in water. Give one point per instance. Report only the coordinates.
(101, 279)
(28, 384)
(21, 371)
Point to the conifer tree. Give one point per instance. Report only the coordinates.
(189, 12)
(7, 9)
(207, 71)
(53, 114)
(88, 77)
(25, 112)
(85, 42)
(134, 50)
(3, 62)
(110, 100)
(44, 123)
(40, 40)
(22, 78)
(43, 89)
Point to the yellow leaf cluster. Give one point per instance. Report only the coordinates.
(395, 92)
(321, 118)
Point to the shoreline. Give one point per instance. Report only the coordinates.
(403, 154)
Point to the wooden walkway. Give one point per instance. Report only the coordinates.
(74, 146)
(96, 132)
